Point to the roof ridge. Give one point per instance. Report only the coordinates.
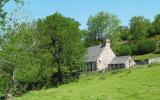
(95, 45)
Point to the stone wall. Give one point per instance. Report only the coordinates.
(105, 57)
(141, 62)
(154, 60)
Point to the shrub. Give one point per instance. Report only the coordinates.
(157, 37)
(145, 46)
(124, 36)
(122, 50)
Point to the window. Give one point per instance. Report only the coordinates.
(91, 66)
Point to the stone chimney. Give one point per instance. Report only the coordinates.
(108, 43)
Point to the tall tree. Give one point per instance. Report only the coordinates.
(4, 13)
(62, 37)
(20, 52)
(5, 66)
(139, 27)
(100, 26)
(155, 30)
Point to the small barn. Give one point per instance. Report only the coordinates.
(121, 62)
(99, 56)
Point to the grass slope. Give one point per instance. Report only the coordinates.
(145, 56)
(141, 83)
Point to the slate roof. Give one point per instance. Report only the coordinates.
(94, 52)
(119, 60)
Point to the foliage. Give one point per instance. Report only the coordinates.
(101, 26)
(139, 27)
(122, 50)
(137, 36)
(4, 13)
(157, 37)
(155, 26)
(124, 33)
(33, 53)
(129, 84)
(24, 61)
(3, 84)
(144, 46)
(62, 37)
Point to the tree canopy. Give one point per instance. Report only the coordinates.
(139, 27)
(101, 26)
(62, 37)
(41, 53)
(4, 13)
(155, 30)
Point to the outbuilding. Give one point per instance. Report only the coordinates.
(121, 62)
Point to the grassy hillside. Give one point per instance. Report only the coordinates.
(145, 56)
(141, 83)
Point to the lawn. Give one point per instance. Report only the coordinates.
(142, 83)
(145, 56)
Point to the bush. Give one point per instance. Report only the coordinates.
(122, 50)
(124, 36)
(144, 46)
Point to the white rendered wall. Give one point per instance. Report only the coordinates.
(129, 63)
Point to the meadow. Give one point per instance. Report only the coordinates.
(139, 83)
(145, 56)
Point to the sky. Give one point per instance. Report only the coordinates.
(80, 10)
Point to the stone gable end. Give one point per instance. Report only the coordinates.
(105, 58)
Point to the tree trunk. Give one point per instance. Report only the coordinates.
(60, 76)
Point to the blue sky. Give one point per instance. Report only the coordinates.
(80, 10)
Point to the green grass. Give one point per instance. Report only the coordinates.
(142, 83)
(145, 56)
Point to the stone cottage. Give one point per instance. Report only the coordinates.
(100, 57)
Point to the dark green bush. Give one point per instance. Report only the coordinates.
(144, 46)
(124, 36)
